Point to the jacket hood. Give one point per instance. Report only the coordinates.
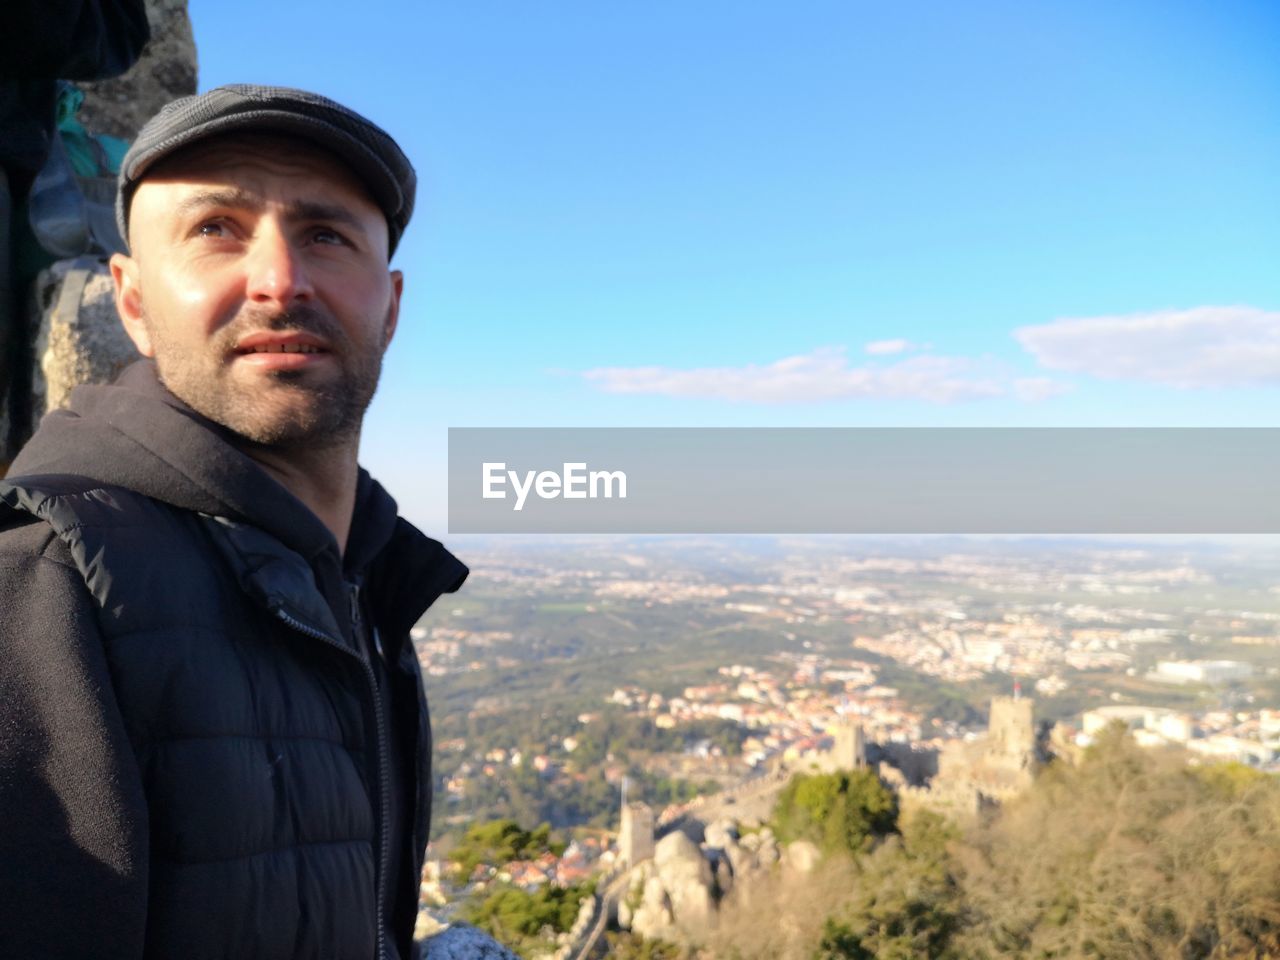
(135, 434)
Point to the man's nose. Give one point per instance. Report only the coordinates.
(276, 269)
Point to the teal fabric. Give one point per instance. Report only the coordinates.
(91, 155)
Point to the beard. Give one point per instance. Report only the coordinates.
(282, 409)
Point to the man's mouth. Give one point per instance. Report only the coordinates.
(280, 341)
(281, 348)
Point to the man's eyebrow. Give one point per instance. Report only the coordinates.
(203, 199)
(243, 200)
(327, 212)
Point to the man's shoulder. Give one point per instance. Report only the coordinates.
(28, 536)
(39, 512)
(25, 538)
(64, 499)
(64, 535)
(34, 561)
(40, 497)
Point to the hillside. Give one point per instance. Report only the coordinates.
(1132, 855)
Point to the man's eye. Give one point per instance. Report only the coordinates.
(326, 236)
(213, 228)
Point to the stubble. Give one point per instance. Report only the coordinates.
(284, 409)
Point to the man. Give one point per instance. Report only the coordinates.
(213, 734)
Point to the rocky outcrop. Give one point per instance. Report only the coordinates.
(165, 71)
(721, 833)
(456, 941)
(78, 336)
(678, 896)
(89, 346)
(803, 856)
(77, 333)
(571, 940)
(746, 859)
(461, 942)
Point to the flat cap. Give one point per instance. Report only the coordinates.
(370, 152)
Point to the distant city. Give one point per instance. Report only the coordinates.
(688, 667)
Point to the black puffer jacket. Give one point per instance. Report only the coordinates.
(193, 758)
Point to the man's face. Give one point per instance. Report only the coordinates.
(258, 281)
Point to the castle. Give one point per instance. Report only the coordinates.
(985, 771)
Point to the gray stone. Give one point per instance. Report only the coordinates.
(685, 875)
(694, 908)
(462, 942)
(803, 856)
(691, 828)
(767, 852)
(680, 860)
(724, 876)
(721, 833)
(742, 859)
(166, 70)
(586, 913)
(79, 338)
(632, 899)
(654, 919)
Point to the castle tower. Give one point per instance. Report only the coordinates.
(850, 750)
(635, 838)
(1011, 735)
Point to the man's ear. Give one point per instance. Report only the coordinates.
(124, 273)
(393, 312)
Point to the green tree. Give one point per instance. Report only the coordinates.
(501, 841)
(907, 904)
(523, 920)
(837, 811)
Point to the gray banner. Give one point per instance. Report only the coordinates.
(800, 480)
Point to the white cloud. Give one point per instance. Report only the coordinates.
(1200, 347)
(882, 348)
(822, 375)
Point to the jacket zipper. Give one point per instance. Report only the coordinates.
(380, 724)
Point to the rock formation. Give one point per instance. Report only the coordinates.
(73, 335)
(679, 894)
(461, 942)
(166, 70)
(79, 338)
(803, 856)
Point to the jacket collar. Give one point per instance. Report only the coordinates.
(135, 434)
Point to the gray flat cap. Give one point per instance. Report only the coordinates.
(373, 156)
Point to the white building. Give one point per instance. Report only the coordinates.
(1158, 725)
(1203, 671)
(1222, 747)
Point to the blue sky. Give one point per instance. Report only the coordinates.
(816, 213)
